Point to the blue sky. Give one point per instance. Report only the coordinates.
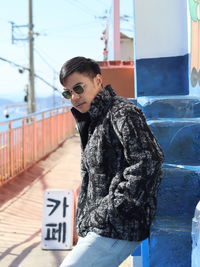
(66, 28)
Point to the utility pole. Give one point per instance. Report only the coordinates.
(31, 88)
(116, 24)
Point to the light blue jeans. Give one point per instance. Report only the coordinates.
(94, 250)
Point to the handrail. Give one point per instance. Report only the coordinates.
(28, 139)
(35, 113)
(116, 64)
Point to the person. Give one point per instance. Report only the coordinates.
(120, 169)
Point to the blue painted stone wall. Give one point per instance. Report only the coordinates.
(180, 140)
(170, 243)
(171, 107)
(178, 185)
(162, 76)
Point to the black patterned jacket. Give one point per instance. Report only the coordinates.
(120, 168)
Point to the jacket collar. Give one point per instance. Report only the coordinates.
(99, 105)
(101, 102)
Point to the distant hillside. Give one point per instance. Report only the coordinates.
(50, 102)
(4, 102)
(19, 109)
(42, 104)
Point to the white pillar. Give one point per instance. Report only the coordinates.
(161, 47)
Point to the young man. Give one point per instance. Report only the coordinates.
(120, 169)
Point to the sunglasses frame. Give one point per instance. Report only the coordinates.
(78, 89)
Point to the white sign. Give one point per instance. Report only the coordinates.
(58, 218)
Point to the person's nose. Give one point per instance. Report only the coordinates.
(74, 96)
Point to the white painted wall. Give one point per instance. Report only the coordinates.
(160, 28)
(126, 49)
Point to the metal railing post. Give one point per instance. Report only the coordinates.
(35, 139)
(23, 143)
(51, 128)
(43, 139)
(11, 148)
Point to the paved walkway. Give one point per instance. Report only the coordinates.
(21, 208)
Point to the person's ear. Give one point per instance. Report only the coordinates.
(99, 80)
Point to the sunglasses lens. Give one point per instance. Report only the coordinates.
(78, 89)
(66, 94)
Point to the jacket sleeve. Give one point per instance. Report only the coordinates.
(139, 181)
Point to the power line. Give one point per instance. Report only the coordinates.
(47, 83)
(100, 3)
(86, 7)
(13, 63)
(77, 4)
(22, 68)
(71, 27)
(45, 61)
(49, 56)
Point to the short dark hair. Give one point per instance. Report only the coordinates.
(81, 65)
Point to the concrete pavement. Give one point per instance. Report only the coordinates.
(21, 207)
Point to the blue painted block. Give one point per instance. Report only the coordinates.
(145, 253)
(137, 251)
(162, 76)
(170, 243)
(179, 192)
(179, 107)
(179, 139)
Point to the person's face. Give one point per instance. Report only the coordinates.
(91, 87)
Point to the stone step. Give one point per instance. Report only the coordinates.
(179, 192)
(170, 242)
(171, 107)
(179, 139)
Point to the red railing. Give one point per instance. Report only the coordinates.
(26, 140)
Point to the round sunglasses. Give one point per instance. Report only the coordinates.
(77, 89)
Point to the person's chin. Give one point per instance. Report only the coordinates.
(82, 108)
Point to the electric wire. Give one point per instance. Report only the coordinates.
(77, 4)
(45, 54)
(102, 4)
(45, 61)
(71, 27)
(27, 69)
(87, 8)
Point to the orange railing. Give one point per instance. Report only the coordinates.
(26, 140)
